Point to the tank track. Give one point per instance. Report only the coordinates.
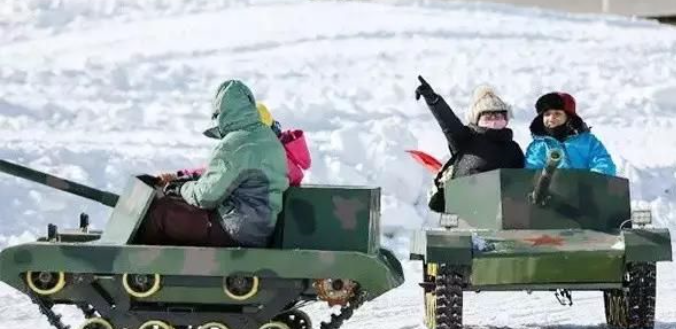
(88, 311)
(346, 312)
(633, 306)
(295, 319)
(53, 318)
(448, 289)
(46, 309)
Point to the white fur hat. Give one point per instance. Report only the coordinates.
(485, 100)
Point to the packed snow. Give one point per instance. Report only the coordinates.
(94, 91)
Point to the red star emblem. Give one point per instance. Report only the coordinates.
(546, 240)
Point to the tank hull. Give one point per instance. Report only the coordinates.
(544, 259)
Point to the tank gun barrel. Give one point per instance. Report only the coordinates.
(542, 186)
(104, 197)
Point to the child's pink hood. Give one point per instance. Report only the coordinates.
(296, 148)
(297, 157)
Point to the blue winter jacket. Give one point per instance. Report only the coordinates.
(581, 151)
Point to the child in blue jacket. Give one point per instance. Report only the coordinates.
(557, 126)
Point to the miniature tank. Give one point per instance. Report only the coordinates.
(541, 230)
(325, 249)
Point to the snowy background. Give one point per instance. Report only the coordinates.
(97, 90)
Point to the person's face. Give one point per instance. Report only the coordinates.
(554, 118)
(493, 120)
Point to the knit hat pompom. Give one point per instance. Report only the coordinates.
(486, 100)
(481, 92)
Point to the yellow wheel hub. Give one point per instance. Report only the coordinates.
(275, 325)
(213, 325)
(241, 288)
(430, 306)
(96, 323)
(155, 324)
(430, 298)
(140, 286)
(45, 283)
(432, 269)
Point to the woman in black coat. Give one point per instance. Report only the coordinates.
(485, 143)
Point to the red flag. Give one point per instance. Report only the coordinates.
(428, 161)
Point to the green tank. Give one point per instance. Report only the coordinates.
(541, 230)
(325, 249)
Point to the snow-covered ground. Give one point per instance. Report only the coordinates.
(97, 90)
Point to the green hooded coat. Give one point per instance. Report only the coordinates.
(246, 174)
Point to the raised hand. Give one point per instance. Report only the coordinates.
(426, 91)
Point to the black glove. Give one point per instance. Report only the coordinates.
(173, 188)
(426, 91)
(150, 180)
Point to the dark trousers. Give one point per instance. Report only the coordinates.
(171, 221)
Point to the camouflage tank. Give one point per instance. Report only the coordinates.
(541, 230)
(325, 249)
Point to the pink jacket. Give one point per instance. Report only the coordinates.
(297, 157)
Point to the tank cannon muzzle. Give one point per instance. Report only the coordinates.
(541, 190)
(104, 197)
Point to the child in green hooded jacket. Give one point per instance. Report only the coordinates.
(237, 199)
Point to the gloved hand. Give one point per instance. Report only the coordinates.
(173, 188)
(426, 91)
(166, 178)
(150, 180)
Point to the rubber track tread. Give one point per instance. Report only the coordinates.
(346, 312)
(449, 298)
(633, 306)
